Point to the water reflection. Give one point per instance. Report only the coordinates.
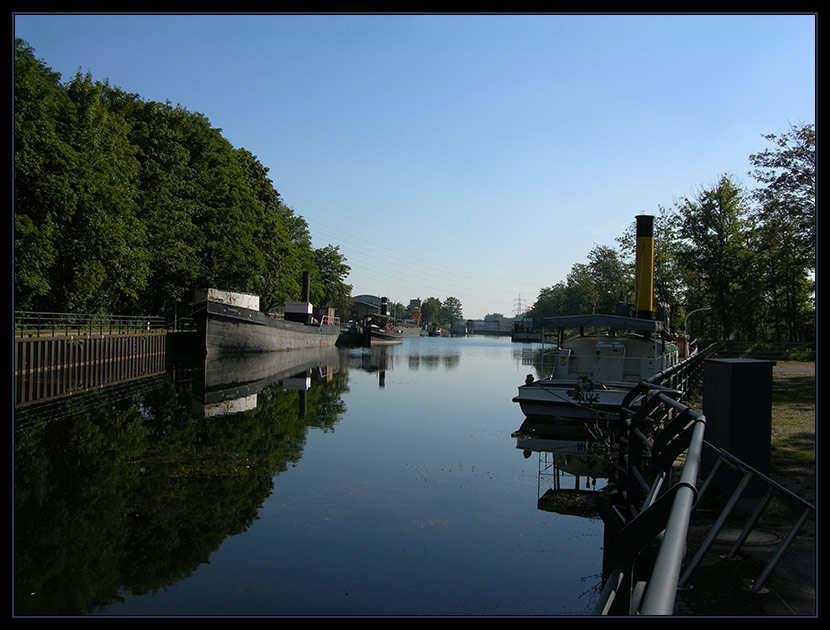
(231, 384)
(187, 495)
(382, 358)
(570, 473)
(129, 494)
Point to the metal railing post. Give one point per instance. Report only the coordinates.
(759, 582)
(713, 533)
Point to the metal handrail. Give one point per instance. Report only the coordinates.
(652, 514)
(328, 320)
(749, 474)
(36, 324)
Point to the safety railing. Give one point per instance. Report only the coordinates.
(644, 565)
(328, 320)
(653, 511)
(653, 515)
(38, 324)
(747, 473)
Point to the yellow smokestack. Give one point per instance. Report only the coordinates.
(644, 268)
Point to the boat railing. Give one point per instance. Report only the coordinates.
(562, 363)
(328, 320)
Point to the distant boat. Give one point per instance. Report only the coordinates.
(381, 328)
(435, 330)
(376, 329)
(407, 329)
(524, 331)
(230, 322)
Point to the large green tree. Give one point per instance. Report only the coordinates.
(451, 311)
(550, 302)
(716, 229)
(431, 311)
(333, 271)
(611, 277)
(103, 259)
(43, 158)
(786, 232)
(787, 196)
(127, 205)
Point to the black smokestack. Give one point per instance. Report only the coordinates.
(306, 287)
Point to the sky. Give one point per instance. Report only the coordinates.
(474, 156)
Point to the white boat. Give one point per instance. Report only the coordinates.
(609, 355)
(593, 371)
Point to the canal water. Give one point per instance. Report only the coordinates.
(379, 481)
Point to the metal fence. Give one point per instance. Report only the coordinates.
(37, 324)
(726, 461)
(49, 366)
(659, 429)
(644, 568)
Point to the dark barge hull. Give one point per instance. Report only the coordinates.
(384, 337)
(228, 329)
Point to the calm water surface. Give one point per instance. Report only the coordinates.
(383, 482)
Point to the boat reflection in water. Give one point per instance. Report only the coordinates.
(166, 470)
(384, 501)
(570, 474)
(231, 384)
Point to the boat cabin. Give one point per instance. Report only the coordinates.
(610, 348)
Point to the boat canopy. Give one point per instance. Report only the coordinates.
(600, 320)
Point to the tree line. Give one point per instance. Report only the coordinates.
(445, 314)
(746, 255)
(433, 311)
(124, 205)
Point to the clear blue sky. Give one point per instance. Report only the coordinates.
(475, 156)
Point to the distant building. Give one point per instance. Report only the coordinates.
(413, 311)
(363, 305)
(493, 325)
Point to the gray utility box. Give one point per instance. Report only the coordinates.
(737, 403)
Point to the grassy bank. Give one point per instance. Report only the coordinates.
(793, 438)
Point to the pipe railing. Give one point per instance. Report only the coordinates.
(654, 515)
(37, 324)
(806, 510)
(645, 565)
(653, 512)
